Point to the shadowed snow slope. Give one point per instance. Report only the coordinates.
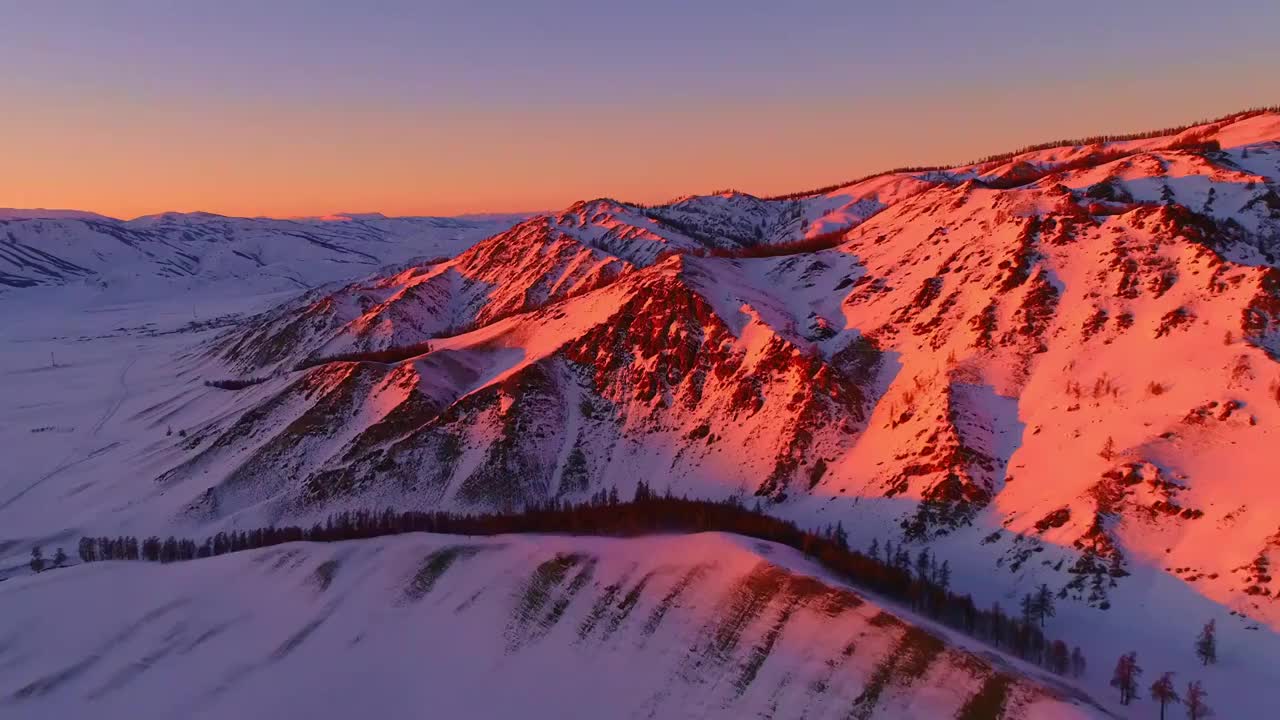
(705, 626)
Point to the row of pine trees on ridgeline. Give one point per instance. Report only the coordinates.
(921, 582)
(1163, 690)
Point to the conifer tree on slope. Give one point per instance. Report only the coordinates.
(1042, 604)
(1125, 677)
(1163, 692)
(1197, 709)
(1207, 644)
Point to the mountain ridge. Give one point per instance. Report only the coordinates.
(895, 365)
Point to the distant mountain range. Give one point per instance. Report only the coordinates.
(158, 254)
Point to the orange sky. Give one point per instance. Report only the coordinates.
(286, 162)
(100, 130)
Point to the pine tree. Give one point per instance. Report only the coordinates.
(1042, 604)
(1077, 662)
(151, 549)
(1163, 692)
(873, 552)
(903, 560)
(1028, 609)
(922, 566)
(1207, 644)
(88, 549)
(37, 559)
(59, 558)
(944, 575)
(1125, 678)
(1059, 658)
(997, 625)
(1196, 707)
(840, 537)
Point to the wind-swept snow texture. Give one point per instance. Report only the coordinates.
(1058, 367)
(705, 626)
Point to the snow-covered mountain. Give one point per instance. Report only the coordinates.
(1057, 366)
(172, 252)
(1067, 355)
(707, 626)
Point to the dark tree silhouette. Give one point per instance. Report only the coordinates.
(1042, 604)
(922, 565)
(1163, 692)
(389, 355)
(151, 548)
(59, 558)
(1207, 644)
(88, 549)
(604, 514)
(1125, 678)
(37, 559)
(1078, 664)
(840, 537)
(1059, 657)
(1196, 707)
(1028, 609)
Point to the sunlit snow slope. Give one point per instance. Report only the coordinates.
(705, 626)
(1069, 352)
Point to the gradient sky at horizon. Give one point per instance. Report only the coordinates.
(288, 107)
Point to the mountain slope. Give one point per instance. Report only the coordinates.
(697, 626)
(983, 325)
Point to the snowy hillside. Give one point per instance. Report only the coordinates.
(707, 626)
(160, 255)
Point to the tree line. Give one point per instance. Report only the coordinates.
(385, 356)
(918, 582)
(922, 585)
